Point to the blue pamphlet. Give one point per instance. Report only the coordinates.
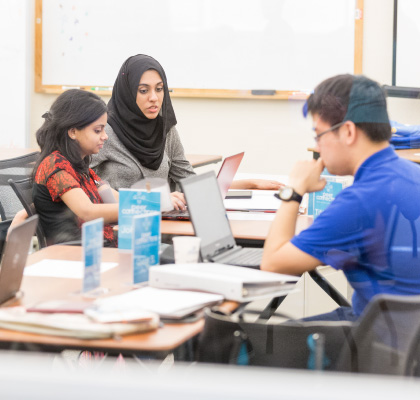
(133, 202)
(319, 201)
(92, 241)
(146, 243)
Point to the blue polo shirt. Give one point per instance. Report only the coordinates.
(371, 230)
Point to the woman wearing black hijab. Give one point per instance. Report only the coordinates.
(142, 137)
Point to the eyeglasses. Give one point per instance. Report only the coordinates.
(333, 128)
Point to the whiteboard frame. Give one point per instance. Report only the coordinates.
(198, 93)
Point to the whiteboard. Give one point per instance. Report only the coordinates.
(14, 100)
(202, 44)
(407, 56)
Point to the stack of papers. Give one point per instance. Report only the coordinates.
(171, 304)
(233, 283)
(69, 325)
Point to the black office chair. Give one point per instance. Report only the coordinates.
(385, 340)
(16, 169)
(23, 190)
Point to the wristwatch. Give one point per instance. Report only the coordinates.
(287, 193)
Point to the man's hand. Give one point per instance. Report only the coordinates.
(306, 176)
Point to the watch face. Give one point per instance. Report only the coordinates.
(286, 193)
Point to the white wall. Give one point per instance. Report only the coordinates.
(14, 73)
(273, 134)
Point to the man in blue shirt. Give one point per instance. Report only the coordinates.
(370, 230)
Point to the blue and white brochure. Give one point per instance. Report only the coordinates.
(319, 201)
(133, 202)
(146, 243)
(92, 241)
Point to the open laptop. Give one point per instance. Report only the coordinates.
(224, 178)
(14, 258)
(210, 222)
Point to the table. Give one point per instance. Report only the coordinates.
(13, 152)
(408, 154)
(36, 289)
(253, 231)
(199, 160)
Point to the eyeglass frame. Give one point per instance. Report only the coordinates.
(333, 128)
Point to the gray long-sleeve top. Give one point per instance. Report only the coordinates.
(115, 164)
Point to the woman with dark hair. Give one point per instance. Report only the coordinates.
(65, 191)
(143, 139)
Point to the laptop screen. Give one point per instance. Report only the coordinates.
(15, 256)
(207, 213)
(227, 172)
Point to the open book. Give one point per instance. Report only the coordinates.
(233, 283)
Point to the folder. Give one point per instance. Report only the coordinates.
(232, 282)
(169, 304)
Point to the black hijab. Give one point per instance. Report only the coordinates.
(145, 138)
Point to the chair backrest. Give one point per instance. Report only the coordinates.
(383, 338)
(14, 168)
(23, 190)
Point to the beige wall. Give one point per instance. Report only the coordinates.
(273, 134)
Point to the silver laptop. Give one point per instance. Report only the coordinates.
(14, 258)
(210, 222)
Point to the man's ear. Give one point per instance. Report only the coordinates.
(72, 133)
(350, 132)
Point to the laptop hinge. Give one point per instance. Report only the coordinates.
(227, 250)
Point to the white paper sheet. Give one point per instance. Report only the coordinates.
(261, 200)
(280, 178)
(250, 216)
(61, 269)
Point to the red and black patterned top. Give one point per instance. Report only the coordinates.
(54, 177)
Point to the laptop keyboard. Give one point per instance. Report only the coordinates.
(176, 213)
(246, 257)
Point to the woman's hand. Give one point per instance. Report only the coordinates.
(19, 217)
(256, 184)
(178, 200)
(265, 184)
